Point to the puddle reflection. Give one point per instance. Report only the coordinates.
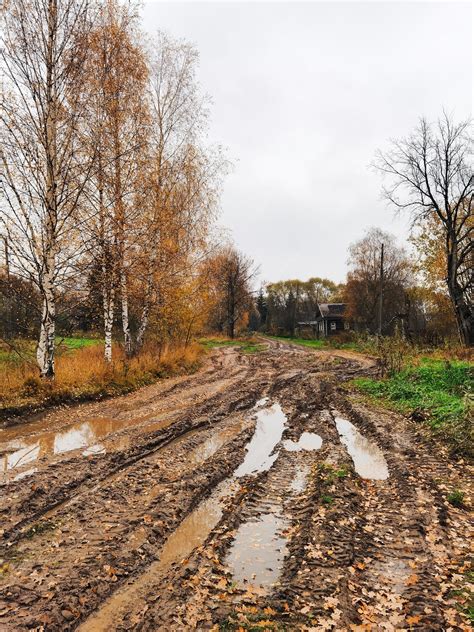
(268, 431)
(368, 458)
(258, 550)
(307, 441)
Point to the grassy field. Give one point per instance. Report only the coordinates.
(82, 373)
(246, 345)
(24, 350)
(439, 393)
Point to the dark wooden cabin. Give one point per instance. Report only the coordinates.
(329, 320)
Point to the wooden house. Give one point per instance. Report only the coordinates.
(329, 320)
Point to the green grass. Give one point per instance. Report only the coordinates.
(313, 344)
(328, 343)
(22, 349)
(72, 344)
(435, 391)
(246, 346)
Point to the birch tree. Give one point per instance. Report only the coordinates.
(117, 75)
(183, 176)
(43, 166)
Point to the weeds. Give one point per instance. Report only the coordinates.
(437, 392)
(84, 374)
(246, 345)
(456, 498)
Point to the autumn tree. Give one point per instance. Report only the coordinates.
(230, 281)
(293, 301)
(43, 166)
(182, 174)
(118, 126)
(363, 287)
(430, 175)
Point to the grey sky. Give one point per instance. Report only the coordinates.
(303, 94)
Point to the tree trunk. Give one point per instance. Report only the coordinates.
(109, 303)
(127, 336)
(140, 339)
(46, 343)
(463, 311)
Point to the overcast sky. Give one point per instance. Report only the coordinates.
(303, 95)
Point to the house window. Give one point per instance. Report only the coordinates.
(333, 326)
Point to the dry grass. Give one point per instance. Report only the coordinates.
(84, 373)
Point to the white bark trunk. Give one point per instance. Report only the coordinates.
(147, 304)
(108, 302)
(127, 336)
(46, 342)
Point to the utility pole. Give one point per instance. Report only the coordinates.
(381, 292)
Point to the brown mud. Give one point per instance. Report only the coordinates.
(256, 494)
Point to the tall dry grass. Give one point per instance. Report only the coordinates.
(83, 373)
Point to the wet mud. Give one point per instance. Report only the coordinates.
(256, 494)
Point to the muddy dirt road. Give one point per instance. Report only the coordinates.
(255, 494)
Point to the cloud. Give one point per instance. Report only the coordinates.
(304, 93)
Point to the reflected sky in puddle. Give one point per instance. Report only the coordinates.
(299, 482)
(258, 550)
(268, 431)
(19, 452)
(195, 528)
(307, 441)
(368, 458)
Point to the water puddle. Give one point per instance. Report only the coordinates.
(258, 551)
(307, 441)
(209, 447)
(191, 533)
(368, 458)
(268, 432)
(299, 482)
(84, 435)
(196, 527)
(25, 473)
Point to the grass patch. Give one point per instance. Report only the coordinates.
(456, 498)
(246, 345)
(304, 342)
(438, 392)
(82, 373)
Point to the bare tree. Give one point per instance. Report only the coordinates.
(364, 292)
(431, 173)
(43, 166)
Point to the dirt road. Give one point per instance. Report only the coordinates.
(255, 494)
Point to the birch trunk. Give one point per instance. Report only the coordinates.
(147, 303)
(127, 336)
(46, 343)
(109, 303)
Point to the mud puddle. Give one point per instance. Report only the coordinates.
(300, 480)
(210, 446)
(86, 435)
(269, 428)
(257, 552)
(196, 527)
(368, 458)
(307, 441)
(191, 533)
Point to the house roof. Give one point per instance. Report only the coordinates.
(332, 310)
